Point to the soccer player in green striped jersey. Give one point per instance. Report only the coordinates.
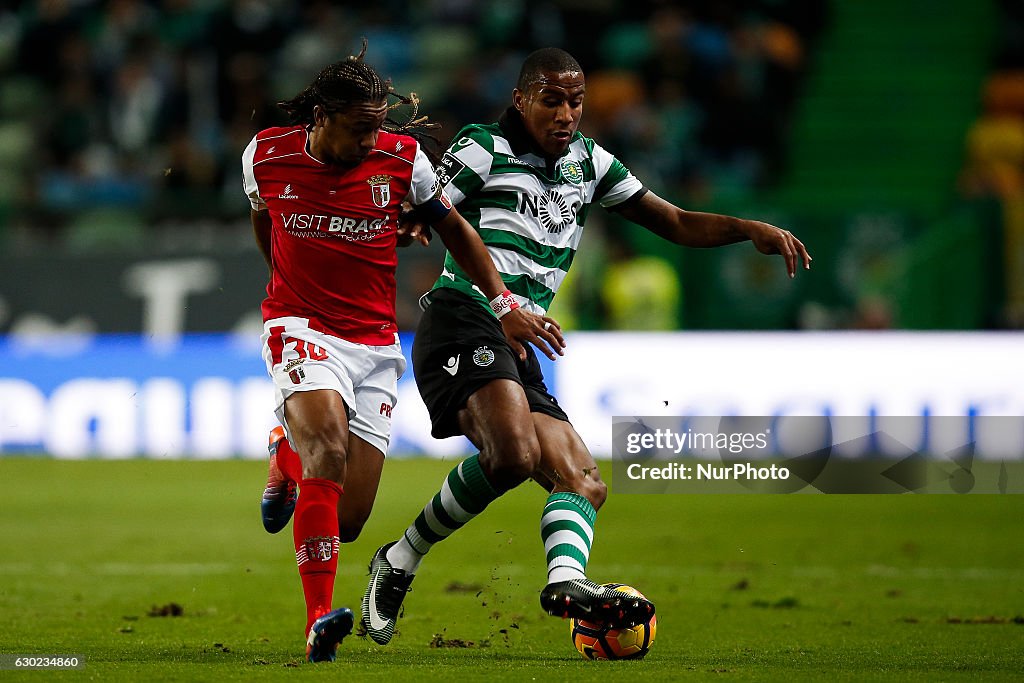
(527, 184)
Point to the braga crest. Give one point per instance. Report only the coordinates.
(380, 190)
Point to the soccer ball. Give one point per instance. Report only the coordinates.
(599, 641)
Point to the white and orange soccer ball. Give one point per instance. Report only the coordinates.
(599, 641)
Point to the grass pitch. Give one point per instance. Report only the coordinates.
(161, 570)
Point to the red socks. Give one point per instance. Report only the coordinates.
(315, 531)
(288, 461)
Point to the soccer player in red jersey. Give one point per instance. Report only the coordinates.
(326, 195)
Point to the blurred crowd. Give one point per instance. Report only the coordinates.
(122, 121)
(994, 167)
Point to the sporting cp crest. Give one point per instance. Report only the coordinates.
(572, 171)
(380, 190)
(483, 356)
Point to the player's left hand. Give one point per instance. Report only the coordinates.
(772, 240)
(411, 228)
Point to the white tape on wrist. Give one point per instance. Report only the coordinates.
(503, 304)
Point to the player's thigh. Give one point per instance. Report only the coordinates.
(362, 481)
(312, 375)
(317, 424)
(497, 420)
(566, 464)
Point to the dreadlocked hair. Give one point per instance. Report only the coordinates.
(352, 81)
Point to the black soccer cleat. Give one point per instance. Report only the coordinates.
(326, 633)
(584, 599)
(383, 597)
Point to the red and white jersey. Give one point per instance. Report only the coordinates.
(333, 237)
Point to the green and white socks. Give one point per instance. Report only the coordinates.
(463, 496)
(566, 525)
(567, 529)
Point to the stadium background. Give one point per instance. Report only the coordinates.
(889, 139)
(888, 135)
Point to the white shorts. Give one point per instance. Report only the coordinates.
(366, 377)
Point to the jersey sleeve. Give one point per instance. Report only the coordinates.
(252, 190)
(425, 191)
(467, 163)
(615, 182)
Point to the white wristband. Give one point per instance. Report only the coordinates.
(503, 304)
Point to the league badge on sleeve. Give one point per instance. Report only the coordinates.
(380, 190)
(448, 168)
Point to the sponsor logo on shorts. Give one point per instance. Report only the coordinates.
(452, 366)
(483, 356)
(385, 410)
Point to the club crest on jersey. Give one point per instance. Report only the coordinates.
(483, 356)
(380, 190)
(572, 171)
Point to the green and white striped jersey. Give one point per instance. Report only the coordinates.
(528, 211)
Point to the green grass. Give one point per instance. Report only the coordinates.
(756, 587)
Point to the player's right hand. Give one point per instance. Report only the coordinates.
(522, 326)
(411, 228)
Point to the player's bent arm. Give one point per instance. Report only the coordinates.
(698, 229)
(261, 225)
(468, 250)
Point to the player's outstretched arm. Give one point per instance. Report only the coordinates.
(520, 325)
(697, 229)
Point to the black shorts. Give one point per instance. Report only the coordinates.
(459, 347)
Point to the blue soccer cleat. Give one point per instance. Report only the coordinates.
(326, 634)
(279, 496)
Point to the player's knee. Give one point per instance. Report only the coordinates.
(509, 463)
(324, 459)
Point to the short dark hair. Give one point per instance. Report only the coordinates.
(545, 60)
